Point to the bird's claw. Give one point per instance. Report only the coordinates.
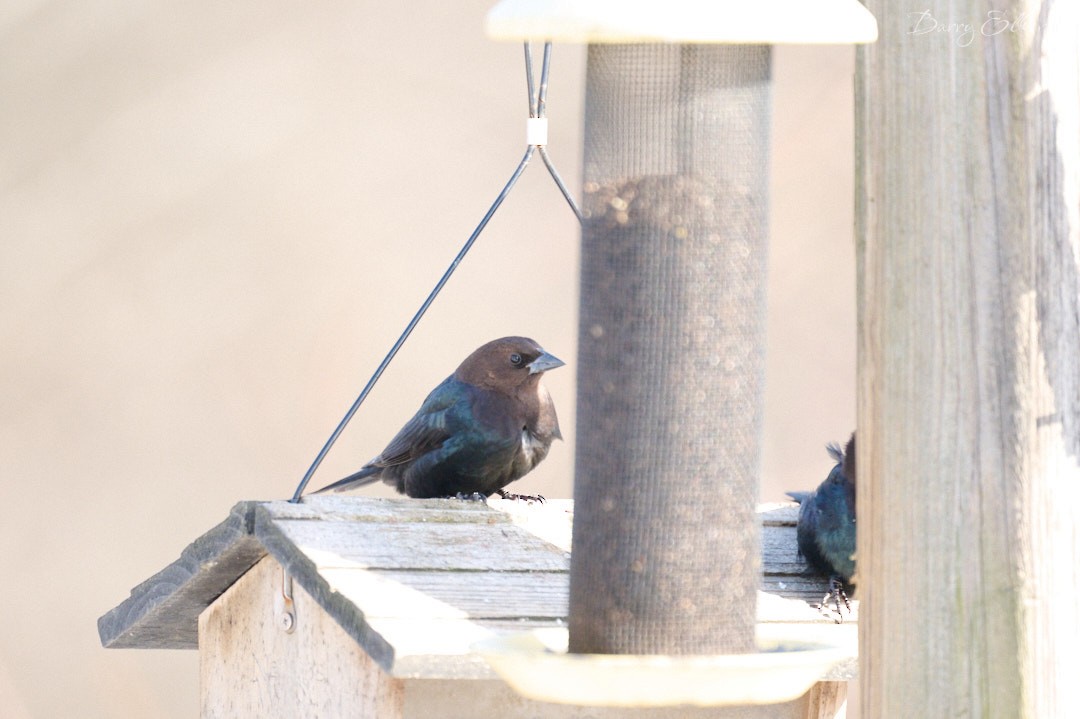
(837, 594)
(527, 497)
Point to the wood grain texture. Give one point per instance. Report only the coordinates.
(251, 667)
(968, 173)
(417, 587)
(161, 612)
(827, 699)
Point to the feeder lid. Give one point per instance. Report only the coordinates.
(684, 21)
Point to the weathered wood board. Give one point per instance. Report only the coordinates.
(417, 582)
(162, 612)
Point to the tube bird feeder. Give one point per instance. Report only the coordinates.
(672, 322)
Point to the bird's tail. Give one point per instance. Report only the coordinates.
(366, 475)
(799, 497)
(849, 458)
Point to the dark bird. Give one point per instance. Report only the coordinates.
(486, 425)
(826, 527)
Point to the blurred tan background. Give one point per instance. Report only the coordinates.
(215, 218)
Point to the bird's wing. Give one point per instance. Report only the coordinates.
(426, 430)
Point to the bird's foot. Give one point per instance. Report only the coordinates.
(837, 594)
(474, 497)
(527, 497)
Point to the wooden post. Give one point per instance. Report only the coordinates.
(827, 700)
(968, 175)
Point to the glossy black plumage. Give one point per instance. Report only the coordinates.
(826, 528)
(483, 427)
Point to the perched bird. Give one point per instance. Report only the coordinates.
(826, 527)
(486, 425)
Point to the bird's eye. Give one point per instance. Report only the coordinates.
(515, 359)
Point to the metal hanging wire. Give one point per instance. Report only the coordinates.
(537, 110)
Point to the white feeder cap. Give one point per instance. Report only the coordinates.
(683, 21)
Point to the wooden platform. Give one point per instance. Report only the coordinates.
(415, 583)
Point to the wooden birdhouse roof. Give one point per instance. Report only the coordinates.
(417, 582)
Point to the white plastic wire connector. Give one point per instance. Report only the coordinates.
(536, 131)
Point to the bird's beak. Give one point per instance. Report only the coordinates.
(544, 362)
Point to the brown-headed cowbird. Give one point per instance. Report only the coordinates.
(826, 527)
(486, 425)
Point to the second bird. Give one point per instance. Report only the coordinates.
(484, 426)
(826, 527)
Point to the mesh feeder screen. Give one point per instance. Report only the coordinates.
(671, 350)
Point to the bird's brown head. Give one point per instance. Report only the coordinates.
(506, 363)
